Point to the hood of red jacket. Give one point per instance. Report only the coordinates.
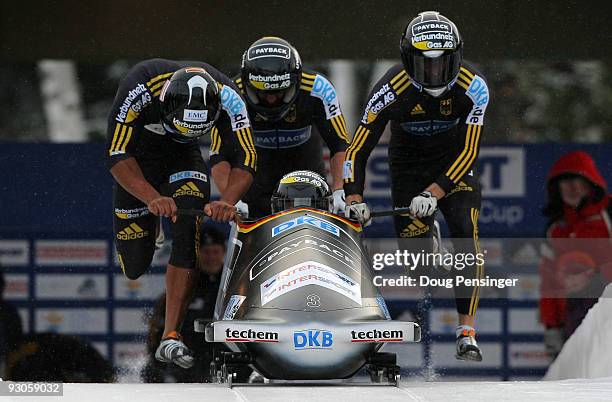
(582, 164)
(579, 163)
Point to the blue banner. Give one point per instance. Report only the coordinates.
(513, 179)
(66, 188)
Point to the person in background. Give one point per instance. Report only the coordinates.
(210, 264)
(60, 358)
(10, 327)
(573, 272)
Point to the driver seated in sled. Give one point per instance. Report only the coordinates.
(302, 188)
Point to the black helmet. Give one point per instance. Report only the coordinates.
(271, 66)
(432, 50)
(302, 188)
(190, 104)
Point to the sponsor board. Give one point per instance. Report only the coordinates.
(313, 339)
(309, 273)
(233, 305)
(528, 354)
(249, 335)
(443, 355)
(14, 253)
(511, 216)
(72, 321)
(71, 252)
(502, 172)
(147, 287)
(102, 348)
(24, 314)
(16, 286)
(409, 355)
(444, 321)
(524, 320)
(494, 252)
(377, 178)
(130, 321)
(72, 286)
(527, 253)
(527, 287)
(130, 356)
(306, 220)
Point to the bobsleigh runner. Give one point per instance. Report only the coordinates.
(297, 302)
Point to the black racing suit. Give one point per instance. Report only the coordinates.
(175, 169)
(290, 144)
(433, 140)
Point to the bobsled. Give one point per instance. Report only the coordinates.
(297, 302)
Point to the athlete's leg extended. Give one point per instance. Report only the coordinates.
(188, 184)
(461, 209)
(134, 228)
(190, 189)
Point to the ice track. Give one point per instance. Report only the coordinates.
(574, 390)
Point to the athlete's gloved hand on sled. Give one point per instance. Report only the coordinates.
(423, 205)
(243, 208)
(359, 211)
(339, 203)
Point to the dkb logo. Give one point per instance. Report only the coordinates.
(306, 220)
(313, 339)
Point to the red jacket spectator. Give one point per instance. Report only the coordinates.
(574, 272)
